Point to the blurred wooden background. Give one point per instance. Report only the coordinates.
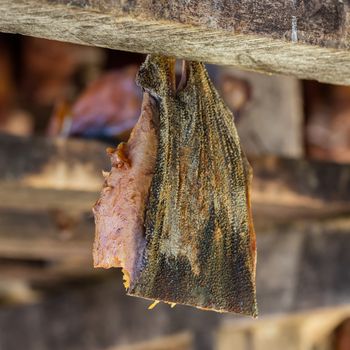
(62, 104)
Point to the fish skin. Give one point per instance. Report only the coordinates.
(200, 240)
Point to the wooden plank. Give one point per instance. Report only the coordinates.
(182, 341)
(45, 220)
(42, 174)
(304, 268)
(300, 182)
(309, 40)
(46, 235)
(17, 196)
(103, 317)
(58, 164)
(301, 265)
(302, 331)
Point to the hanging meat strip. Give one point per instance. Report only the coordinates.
(119, 213)
(179, 222)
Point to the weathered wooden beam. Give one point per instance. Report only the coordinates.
(42, 174)
(182, 341)
(59, 164)
(299, 183)
(304, 331)
(102, 316)
(46, 235)
(307, 39)
(300, 267)
(302, 264)
(15, 196)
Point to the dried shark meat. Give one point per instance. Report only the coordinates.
(175, 209)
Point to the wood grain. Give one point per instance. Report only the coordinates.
(307, 39)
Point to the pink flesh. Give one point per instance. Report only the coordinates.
(119, 213)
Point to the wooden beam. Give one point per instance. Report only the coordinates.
(301, 183)
(59, 164)
(47, 217)
(300, 267)
(182, 341)
(15, 196)
(102, 316)
(42, 174)
(309, 40)
(46, 235)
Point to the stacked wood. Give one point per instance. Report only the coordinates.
(301, 267)
(49, 186)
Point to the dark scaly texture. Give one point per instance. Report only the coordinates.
(200, 238)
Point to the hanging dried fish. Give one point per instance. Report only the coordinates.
(175, 211)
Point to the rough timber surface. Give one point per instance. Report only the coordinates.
(308, 39)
